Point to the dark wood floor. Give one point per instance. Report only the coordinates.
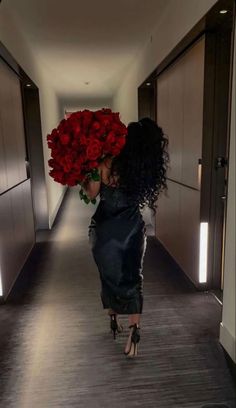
(56, 349)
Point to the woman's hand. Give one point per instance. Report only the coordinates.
(92, 187)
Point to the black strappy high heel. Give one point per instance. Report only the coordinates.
(135, 338)
(115, 327)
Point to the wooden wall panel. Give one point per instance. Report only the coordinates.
(12, 126)
(29, 222)
(17, 230)
(7, 258)
(188, 255)
(168, 225)
(177, 226)
(176, 112)
(18, 125)
(163, 108)
(180, 113)
(193, 113)
(17, 235)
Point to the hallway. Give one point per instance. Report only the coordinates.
(56, 349)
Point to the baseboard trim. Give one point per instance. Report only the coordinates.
(228, 342)
(54, 214)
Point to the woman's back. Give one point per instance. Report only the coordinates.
(118, 241)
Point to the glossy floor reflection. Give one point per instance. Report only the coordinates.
(56, 349)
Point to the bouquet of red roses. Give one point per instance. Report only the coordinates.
(81, 142)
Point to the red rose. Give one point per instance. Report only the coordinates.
(94, 149)
(115, 151)
(71, 181)
(65, 138)
(75, 144)
(50, 145)
(111, 137)
(62, 125)
(93, 164)
(106, 110)
(77, 115)
(76, 129)
(87, 117)
(96, 125)
(57, 175)
(120, 142)
(77, 165)
(80, 177)
(55, 133)
(83, 139)
(106, 121)
(51, 162)
(106, 148)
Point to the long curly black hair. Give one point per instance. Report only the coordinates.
(142, 164)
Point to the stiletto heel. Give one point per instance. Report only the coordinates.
(135, 338)
(114, 325)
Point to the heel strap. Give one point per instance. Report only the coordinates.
(135, 337)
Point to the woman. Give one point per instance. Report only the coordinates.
(117, 232)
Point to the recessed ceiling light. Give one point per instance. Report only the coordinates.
(28, 85)
(148, 83)
(223, 11)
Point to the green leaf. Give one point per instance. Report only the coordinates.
(86, 199)
(81, 193)
(95, 175)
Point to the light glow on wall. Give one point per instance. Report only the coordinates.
(1, 293)
(203, 252)
(199, 173)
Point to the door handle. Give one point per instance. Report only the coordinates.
(220, 162)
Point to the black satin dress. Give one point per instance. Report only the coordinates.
(117, 236)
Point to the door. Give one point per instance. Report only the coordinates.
(180, 95)
(215, 149)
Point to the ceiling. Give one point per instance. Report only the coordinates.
(86, 42)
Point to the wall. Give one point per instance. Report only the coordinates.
(178, 19)
(227, 328)
(71, 103)
(22, 53)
